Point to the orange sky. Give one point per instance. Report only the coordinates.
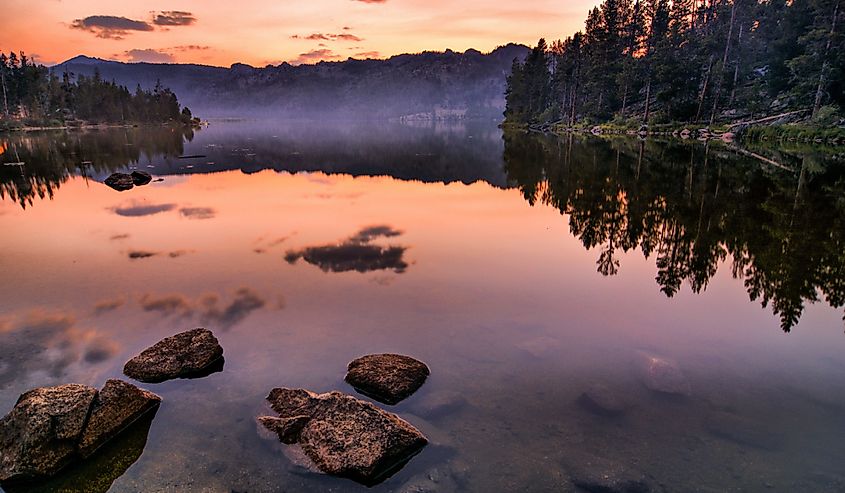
(259, 32)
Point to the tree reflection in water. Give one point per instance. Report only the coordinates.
(690, 205)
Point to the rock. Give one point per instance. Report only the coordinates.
(192, 354)
(344, 436)
(601, 400)
(728, 137)
(387, 378)
(141, 178)
(120, 181)
(40, 435)
(663, 376)
(741, 430)
(599, 475)
(51, 427)
(117, 406)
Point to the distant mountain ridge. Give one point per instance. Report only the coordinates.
(428, 85)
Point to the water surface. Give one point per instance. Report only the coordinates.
(522, 269)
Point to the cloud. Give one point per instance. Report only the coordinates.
(42, 341)
(328, 37)
(368, 54)
(110, 26)
(138, 254)
(198, 212)
(356, 253)
(371, 1)
(245, 302)
(190, 48)
(173, 304)
(148, 55)
(139, 209)
(322, 54)
(119, 237)
(171, 18)
(211, 310)
(108, 305)
(99, 349)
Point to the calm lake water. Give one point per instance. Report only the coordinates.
(523, 270)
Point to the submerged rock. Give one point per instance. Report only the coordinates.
(594, 474)
(191, 354)
(665, 377)
(343, 436)
(50, 427)
(141, 178)
(741, 430)
(387, 378)
(601, 400)
(120, 181)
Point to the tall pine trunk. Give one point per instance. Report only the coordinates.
(724, 63)
(817, 104)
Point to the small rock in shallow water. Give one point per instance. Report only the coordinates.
(342, 435)
(594, 474)
(387, 378)
(120, 181)
(663, 376)
(601, 400)
(141, 178)
(51, 427)
(741, 430)
(191, 354)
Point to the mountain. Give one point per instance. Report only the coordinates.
(428, 85)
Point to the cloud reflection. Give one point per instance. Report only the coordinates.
(209, 309)
(356, 253)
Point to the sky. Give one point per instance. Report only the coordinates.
(261, 32)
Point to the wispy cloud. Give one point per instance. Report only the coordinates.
(148, 55)
(315, 55)
(172, 18)
(110, 26)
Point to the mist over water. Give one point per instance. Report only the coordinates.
(524, 270)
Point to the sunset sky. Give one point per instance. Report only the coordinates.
(262, 32)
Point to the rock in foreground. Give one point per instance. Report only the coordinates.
(50, 427)
(387, 378)
(120, 181)
(191, 354)
(344, 436)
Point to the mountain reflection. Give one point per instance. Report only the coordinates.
(690, 206)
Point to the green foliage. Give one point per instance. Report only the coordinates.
(30, 95)
(683, 60)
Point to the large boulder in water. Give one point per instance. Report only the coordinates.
(343, 436)
(120, 181)
(51, 427)
(190, 354)
(387, 378)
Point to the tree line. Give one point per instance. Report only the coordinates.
(661, 61)
(695, 208)
(33, 94)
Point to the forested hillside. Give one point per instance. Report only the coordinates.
(33, 95)
(659, 61)
(429, 85)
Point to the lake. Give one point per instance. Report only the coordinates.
(523, 269)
